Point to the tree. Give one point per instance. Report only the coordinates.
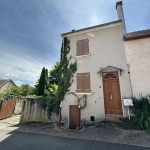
(43, 82)
(23, 90)
(26, 89)
(55, 74)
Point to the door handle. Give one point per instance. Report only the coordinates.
(111, 96)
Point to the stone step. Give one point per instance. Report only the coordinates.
(113, 118)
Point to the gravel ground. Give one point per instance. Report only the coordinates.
(106, 132)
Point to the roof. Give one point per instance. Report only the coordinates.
(137, 34)
(100, 25)
(3, 82)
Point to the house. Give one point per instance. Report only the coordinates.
(137, 47)
(6, 84)
(111, 66)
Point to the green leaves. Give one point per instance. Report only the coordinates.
(43, 82)
(23, 90)
(60, 80)
(141, 111)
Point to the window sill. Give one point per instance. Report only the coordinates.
(83, 56)
(89, 93)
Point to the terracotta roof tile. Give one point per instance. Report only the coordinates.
(137, 34)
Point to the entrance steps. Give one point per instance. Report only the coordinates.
(113, 118)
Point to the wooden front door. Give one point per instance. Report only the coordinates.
(112, 97)
(73, 120)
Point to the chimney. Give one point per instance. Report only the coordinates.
(121, 16)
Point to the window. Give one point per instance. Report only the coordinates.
(83, 82)
(109, 75)
(82, 47)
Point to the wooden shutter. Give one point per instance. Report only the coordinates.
(80, 82)
(86, 82)
(79, 48)
(85, 46)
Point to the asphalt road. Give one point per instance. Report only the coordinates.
(15, 140)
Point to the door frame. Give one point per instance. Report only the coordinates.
(119, 92)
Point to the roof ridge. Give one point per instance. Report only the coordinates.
(91, 27)
(138, 31)
(138, 34)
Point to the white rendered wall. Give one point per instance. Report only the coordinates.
(138, 57)
(106, 48)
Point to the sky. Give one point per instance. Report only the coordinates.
(30, 30)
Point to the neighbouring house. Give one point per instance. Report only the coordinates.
(111, 65)
(6, 84)
(137, 47)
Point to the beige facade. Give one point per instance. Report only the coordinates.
(6, 85)
(138, 57)
(106, 48)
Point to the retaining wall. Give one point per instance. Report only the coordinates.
(18, 106)
(31, 111)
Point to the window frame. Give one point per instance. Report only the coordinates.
(83, 83)
(82, 49)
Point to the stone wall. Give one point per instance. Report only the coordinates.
(18, 106)
(31, 111)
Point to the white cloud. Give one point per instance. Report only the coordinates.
(32, 66)
(18, 83)
(9, 75)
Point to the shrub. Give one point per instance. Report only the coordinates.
(141, 111)
(141, 115)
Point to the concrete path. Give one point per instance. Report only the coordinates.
(9, 123)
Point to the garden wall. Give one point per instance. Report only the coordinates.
(7, 108)
(31, 111)
(18, 106)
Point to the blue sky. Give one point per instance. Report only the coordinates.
(30, 30)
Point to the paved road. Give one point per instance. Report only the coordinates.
(15, 140)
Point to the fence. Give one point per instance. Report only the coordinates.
(7, 108)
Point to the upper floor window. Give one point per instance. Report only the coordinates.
(83, 82)
(82, 47)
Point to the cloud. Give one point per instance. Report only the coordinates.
(18, 83)
(18, 69)
(9, 75)
(30, 31)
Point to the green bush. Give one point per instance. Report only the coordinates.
(141, 111)
(23, 90)
(141, 115)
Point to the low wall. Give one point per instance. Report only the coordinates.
(18, 106)
(7, 108)
(31, 111)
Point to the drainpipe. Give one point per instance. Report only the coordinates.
(130, 78)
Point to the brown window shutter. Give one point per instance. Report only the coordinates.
(87, 82)
(85, 46)
(80, 82)
(79, 48)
